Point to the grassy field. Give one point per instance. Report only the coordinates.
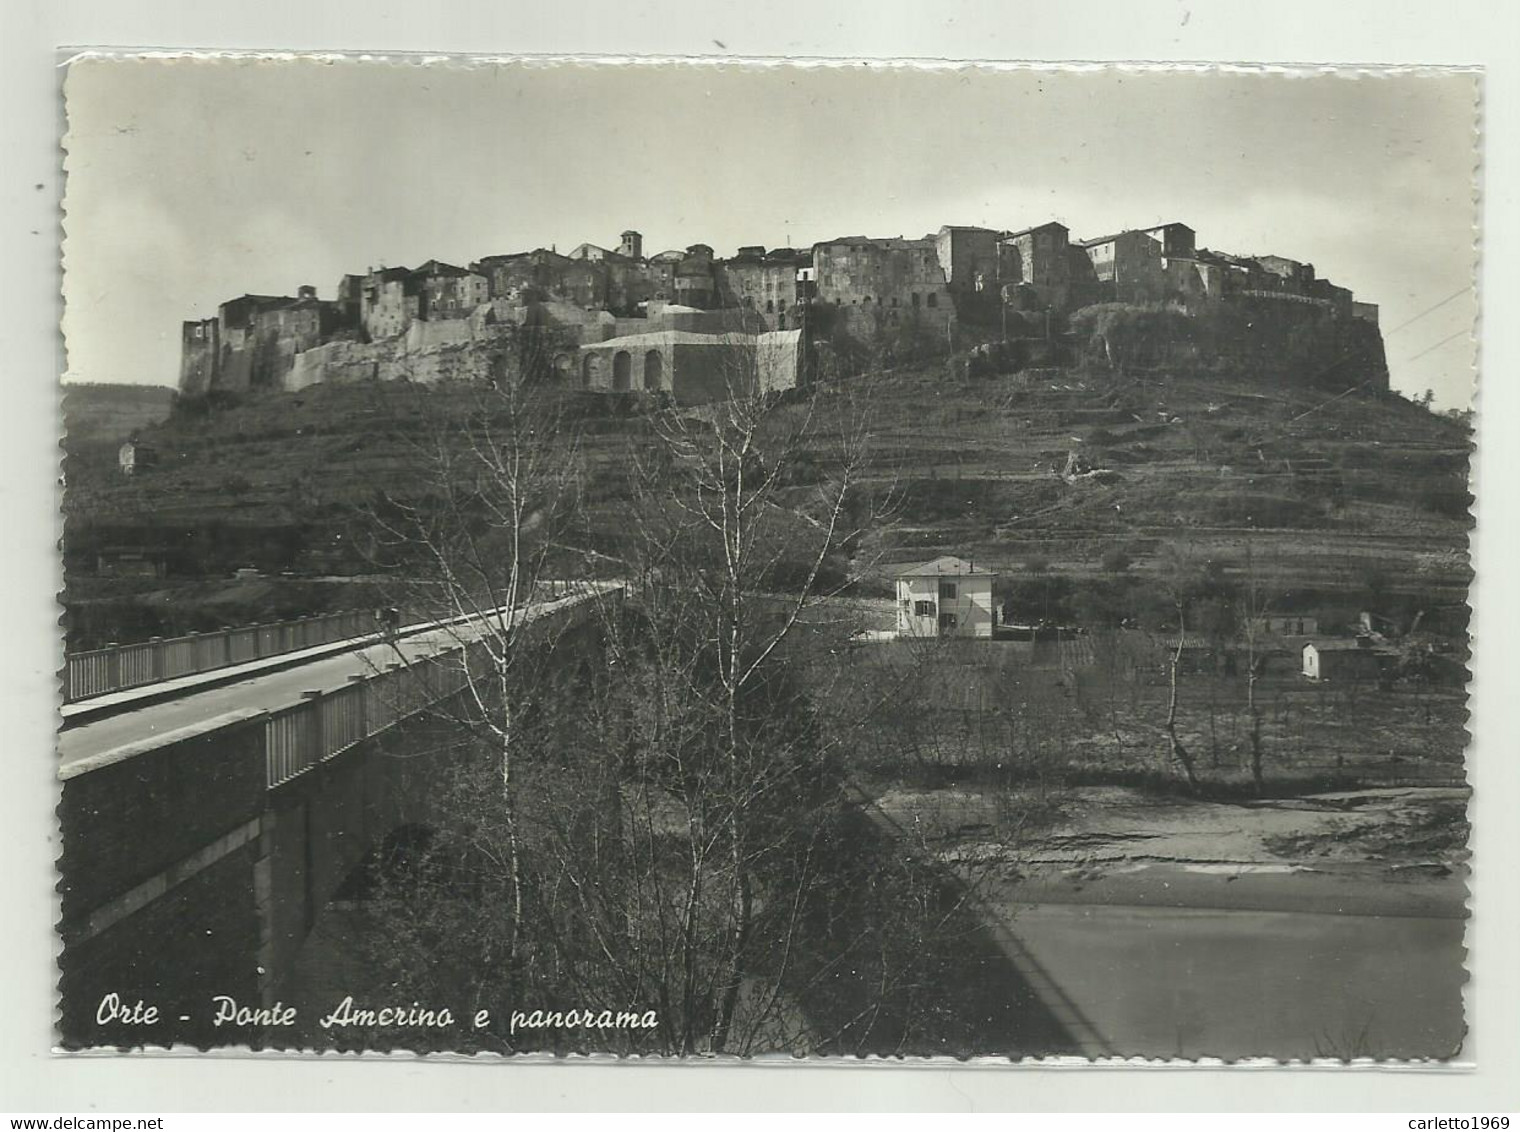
(999, 714)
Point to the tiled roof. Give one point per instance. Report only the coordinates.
(1105, 239)
(945, 566)
(1036, 228)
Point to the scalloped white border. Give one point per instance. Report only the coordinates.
(478, 62)
(1361, 14)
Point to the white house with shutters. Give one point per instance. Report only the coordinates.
(948, 597)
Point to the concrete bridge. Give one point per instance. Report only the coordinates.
(204, 832)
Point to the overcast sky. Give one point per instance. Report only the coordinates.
(191, 182)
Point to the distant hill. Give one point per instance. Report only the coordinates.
(99, 411)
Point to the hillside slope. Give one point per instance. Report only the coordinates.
(1343, 495)
(1325, 488)
(98, 411)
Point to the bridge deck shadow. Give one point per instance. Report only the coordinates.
(968, 989)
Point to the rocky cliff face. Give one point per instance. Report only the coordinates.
(1266, 340)
(1305, 345)
(480, 347)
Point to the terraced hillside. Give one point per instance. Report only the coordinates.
(1042, 472)
(1332, 493)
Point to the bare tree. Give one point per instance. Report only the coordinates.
(670, 826)
(1254, 606)
(731, 554)
(475, 543)
(1181, 573)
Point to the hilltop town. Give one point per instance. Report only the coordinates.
(673, 322)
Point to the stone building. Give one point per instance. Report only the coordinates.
(867, 284)
(1177, 240)
(591, 277)
(305, 322)
(764, 282)
(1035, 267)
(350, 301)
(250, 351)
(627, 283)
(1195, 278)
(968, 259)
(895, 278)
(694, 282)
(1285, 274)
(254, 338)
(1163, 264)
(388, 302)
(277, 332)
(199, 354)
(544, 274)
(1127, 266)
(591, 253)
(445, 291)
(660, 271)
(696, 368)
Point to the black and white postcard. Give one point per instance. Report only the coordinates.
(710, 559)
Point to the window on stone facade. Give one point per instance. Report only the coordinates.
(933, 299)
(915, 298)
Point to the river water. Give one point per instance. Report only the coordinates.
(1232, 983)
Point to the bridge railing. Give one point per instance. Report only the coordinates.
(117, 668)
(325, 724)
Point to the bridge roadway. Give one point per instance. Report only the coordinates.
(103, 741)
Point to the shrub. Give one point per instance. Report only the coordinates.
(1124, 334)
(1116, 560)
